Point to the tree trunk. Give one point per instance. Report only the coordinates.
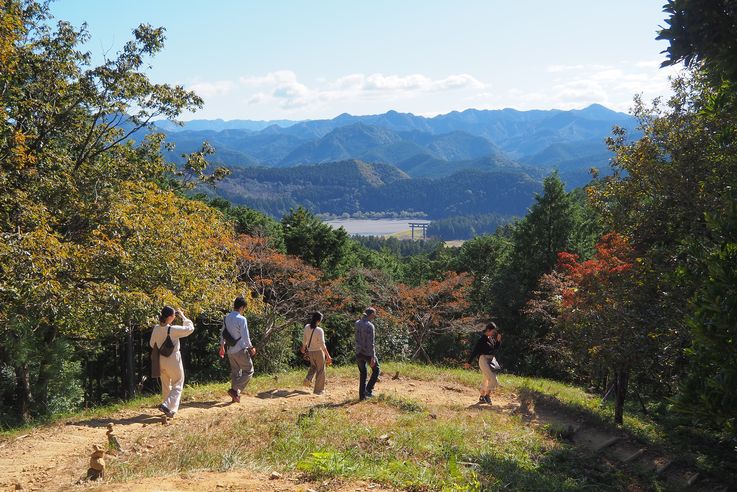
(621, 379)
(46, 368)
(130, 377)
(23, 392)
(420, 350)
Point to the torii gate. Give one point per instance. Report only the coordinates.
(418, 225)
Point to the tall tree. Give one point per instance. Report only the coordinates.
(65, 153)
(315, 242)
(435, 308)
(702, 34)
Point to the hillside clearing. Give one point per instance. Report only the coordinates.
(424, 431)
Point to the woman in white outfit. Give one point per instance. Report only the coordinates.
(313, 343)
(172, 372)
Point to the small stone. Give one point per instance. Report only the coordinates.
(433, 416)
(275, 475)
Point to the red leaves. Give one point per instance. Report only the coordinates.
(592, 279)
(613, 256)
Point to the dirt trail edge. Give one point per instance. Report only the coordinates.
(56, 457)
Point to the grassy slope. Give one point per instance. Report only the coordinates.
(401, 442)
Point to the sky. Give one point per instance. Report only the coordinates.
(300, 59)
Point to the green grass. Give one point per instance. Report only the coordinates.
(396, 441)
(659, 429)
(399, 441)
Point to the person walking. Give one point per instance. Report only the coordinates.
(240, 351)
(366, 353)
(171, 369)
(313, 343)
(485, 348)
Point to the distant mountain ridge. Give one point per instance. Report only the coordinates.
(572, 141)
(461, 163)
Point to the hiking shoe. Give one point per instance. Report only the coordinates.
(235, 398)
(487, 399)
(482, 400)
(166, 411)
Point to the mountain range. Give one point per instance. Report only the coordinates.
(446, 148)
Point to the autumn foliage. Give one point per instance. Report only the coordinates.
(614, 258)
(435, 308)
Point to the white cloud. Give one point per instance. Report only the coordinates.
(212, 89)
(283, 89)
(282, 93)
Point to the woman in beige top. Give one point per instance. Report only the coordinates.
(313, 343)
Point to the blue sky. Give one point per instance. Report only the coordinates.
(305, 60)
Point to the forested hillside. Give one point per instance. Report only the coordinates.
(357, 187)
(626, 288)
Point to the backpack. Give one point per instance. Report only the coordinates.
(228, 337)
(167, 347)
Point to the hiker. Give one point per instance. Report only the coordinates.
(366, 353)
(165, 339)
(313, 344)
(485, 348)
(240, 351)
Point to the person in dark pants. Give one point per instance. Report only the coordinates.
(366, 353)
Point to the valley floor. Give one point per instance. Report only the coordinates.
(423, 431)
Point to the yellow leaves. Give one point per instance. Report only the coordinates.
(11, 26)
(20, 155)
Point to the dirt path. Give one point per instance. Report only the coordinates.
(56, 457)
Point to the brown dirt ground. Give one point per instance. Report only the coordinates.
(55, 457)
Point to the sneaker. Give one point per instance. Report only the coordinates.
(482, 400)
(487, 399)
(235, 398)
(166, 411)
(369, 395)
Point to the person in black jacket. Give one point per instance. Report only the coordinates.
(485, 348)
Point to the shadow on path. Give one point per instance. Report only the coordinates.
(206, 404)
(269, 394)
(142, 418)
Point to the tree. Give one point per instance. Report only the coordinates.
(665, 186)
(702, 33)
(315, 242)
(65, 152)
(601, 319)
(288, 289)
(435, 308)
(544, 232)
(709, 394)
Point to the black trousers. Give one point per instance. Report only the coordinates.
(363, 387)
